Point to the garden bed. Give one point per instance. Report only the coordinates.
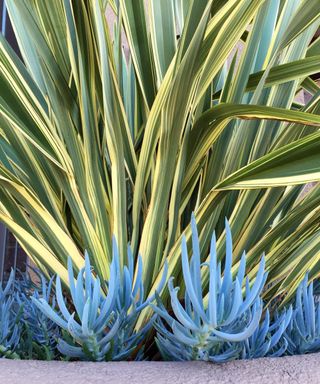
(295, 369)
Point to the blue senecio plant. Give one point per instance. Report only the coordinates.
(102, 326)
(40, 333)
(9, 320)
(217, 330)
(303, 331)
(268, 339)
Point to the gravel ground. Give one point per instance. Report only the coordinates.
(297, 369)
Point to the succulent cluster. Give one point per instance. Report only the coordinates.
(40, 334)
(9, 329)
(102, 325)
(226, 323)
(97, 320)
(25, 331)
(303, 331)
(268, 338)
(215, 331)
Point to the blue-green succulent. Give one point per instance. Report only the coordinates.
(268, 339)
(39, 333)
(101, 327)
(303, 331)
(10, 330)
(212, 329)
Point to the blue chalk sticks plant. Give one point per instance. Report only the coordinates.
(102, 326)
(115, 132)
(9, 329)
(39, 334)
(303, 331)
(199, 331)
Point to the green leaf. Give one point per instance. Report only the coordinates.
(307, 14)
(295, 163)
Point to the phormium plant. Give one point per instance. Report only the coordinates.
(197, 113)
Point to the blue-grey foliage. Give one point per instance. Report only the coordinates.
(268, 339)
(102, 325)
(40, 333)
(212, 330)
(303, 331)
(9, 320)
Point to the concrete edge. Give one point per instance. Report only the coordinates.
(294, 369)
